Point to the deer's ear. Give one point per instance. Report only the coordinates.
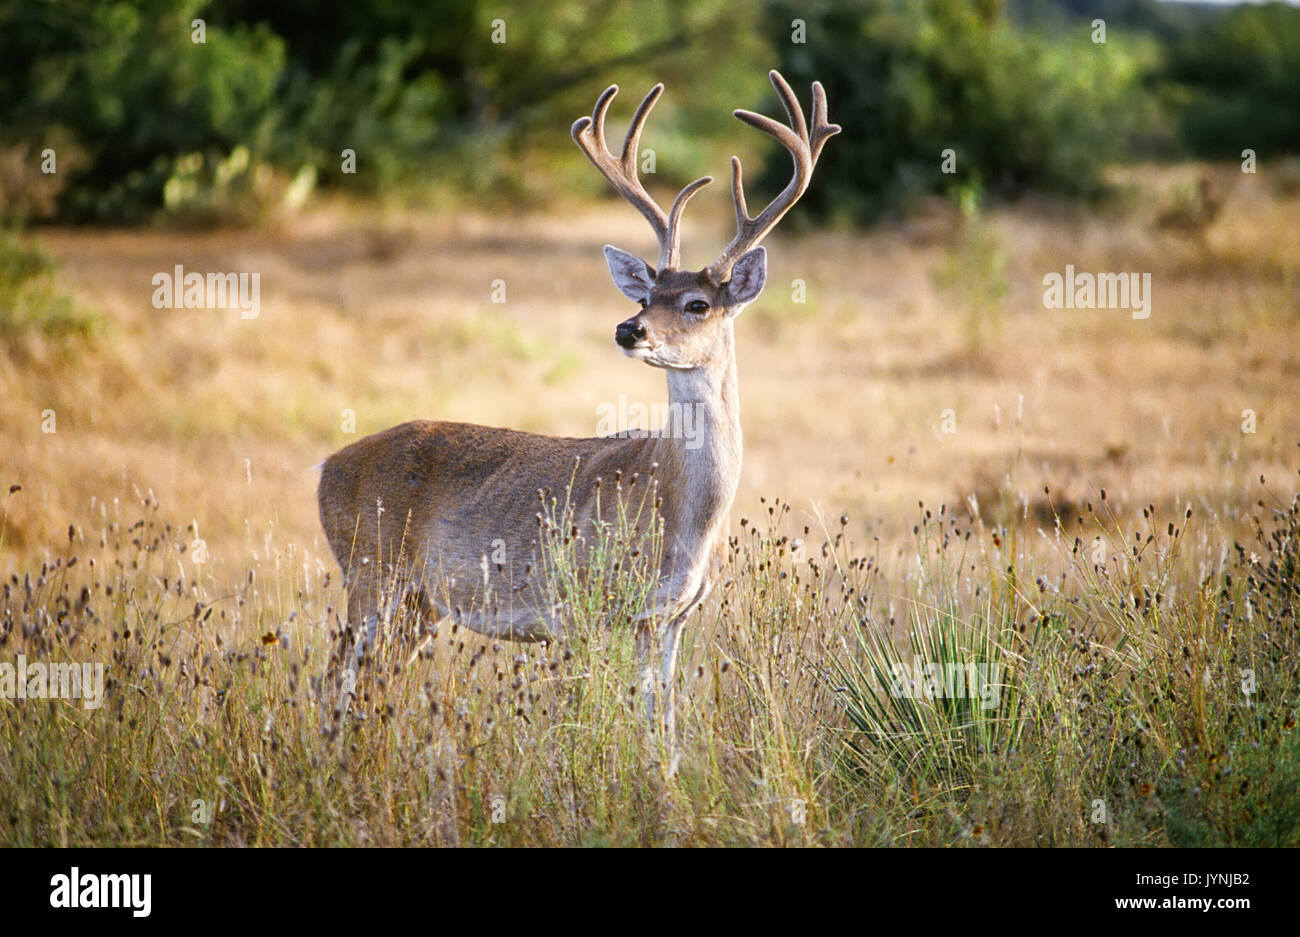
(631, 274)
(747, 279)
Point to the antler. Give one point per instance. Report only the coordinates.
(805, 147)
(589, 134)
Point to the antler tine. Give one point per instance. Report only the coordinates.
(791, 103)
(621, 173)
(804, 149)
(822, 131)
(738, 193)
(631, 142)
(674, 222)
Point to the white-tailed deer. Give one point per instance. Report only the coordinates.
(439, 504)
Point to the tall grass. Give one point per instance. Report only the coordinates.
(1129, 690)
(1141, 692)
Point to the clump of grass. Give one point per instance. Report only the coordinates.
(601, 571)
(927, 717)
(30, 299)
(1238, 782)
(1128, 694)
(755, 730)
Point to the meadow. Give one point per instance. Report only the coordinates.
(1098, 509)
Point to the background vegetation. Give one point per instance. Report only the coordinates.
(148, 121)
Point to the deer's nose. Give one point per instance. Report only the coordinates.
(629, 333)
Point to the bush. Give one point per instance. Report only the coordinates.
(1235, 82)
(417, 92)
(1020, 110)
(30, 301)
(135, 92)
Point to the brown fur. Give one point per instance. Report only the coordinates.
(440, 496)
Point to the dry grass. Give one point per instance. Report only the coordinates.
(210, 424)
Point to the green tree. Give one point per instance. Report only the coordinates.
(1019, 110)
(1237, 82)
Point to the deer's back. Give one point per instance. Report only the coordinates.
(457, 490)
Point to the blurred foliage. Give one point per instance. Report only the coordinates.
(1237, 83)
(1020, 110)
(416, 91)
(432, 104)
(135, 93)
(31, 302)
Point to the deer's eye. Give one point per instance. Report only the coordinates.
(697, 306)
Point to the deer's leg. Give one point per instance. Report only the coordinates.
(365, 614)
(397, 613)
(657, 688)
(646, 673)
(362, 622)
(670, 639)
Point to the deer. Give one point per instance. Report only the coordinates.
(445, 496)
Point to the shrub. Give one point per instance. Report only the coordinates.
(1021, 111)
(1234, 82)
(133, 90)
(30, 300)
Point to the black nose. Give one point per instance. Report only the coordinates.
(629, 333)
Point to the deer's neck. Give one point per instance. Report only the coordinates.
(702, 449)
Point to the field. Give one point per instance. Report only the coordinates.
(935, 462)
